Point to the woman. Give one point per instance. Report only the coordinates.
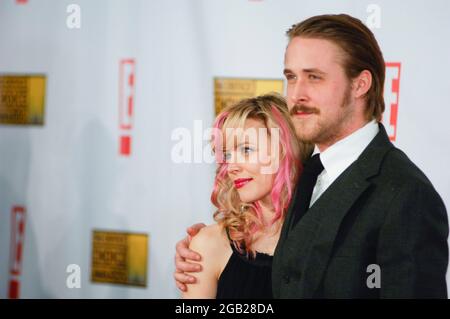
(258, 164)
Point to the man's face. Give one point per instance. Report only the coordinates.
(318, 91)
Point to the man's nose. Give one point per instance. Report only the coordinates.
(298, 93)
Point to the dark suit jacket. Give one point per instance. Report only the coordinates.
(381, 210)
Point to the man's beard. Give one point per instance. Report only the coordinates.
(323, 132)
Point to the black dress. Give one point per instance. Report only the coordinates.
(246, 277)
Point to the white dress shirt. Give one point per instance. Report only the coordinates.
(339, 156)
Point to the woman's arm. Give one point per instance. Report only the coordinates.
(215, 251)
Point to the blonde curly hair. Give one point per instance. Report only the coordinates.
(242, 220)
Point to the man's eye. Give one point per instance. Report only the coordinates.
(290, 77)
(314, 77)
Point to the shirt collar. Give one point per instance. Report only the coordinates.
(343, 153)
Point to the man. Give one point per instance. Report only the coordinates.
(365, 221)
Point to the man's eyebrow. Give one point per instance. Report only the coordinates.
(313, 70)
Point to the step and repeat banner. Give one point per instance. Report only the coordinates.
(105, 115)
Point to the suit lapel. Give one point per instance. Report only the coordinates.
(329, 210)
(314, 235)
(289, 216)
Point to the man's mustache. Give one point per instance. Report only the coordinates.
(301, 108)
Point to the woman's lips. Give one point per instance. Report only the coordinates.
(241, 182)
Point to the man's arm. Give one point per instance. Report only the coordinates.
(182, 254)
(412, 250)
(209, 243)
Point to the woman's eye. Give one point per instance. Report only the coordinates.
(247, 149)
(226, 156)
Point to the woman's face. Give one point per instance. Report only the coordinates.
(248, 154)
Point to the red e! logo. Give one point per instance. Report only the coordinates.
(126, 104)
(16, 250)
(391, 96)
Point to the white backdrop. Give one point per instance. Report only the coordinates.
(69, 175)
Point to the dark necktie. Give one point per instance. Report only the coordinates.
(313, 167)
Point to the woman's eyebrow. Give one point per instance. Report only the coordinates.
(244, 143)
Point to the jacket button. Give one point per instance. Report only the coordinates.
(286, 279)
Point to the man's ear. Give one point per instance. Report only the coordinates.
(362, 83)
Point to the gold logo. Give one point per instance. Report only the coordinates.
(231, 90)
(22, 99)
(120, 258)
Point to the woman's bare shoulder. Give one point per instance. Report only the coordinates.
(210, 237)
